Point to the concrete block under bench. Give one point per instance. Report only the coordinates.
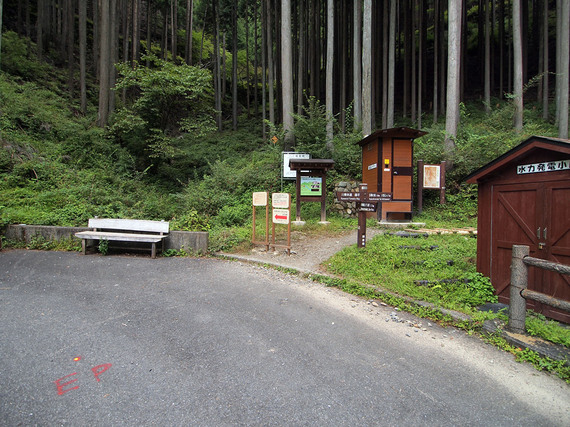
(125, 230)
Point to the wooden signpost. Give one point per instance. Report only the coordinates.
(366, 202)
(260, 199)
(281, 214)
(431, 177)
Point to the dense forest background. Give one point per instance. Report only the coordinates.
(196, 99)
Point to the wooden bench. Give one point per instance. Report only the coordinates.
(125, 230)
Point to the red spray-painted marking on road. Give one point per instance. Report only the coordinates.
(97, 371)
(60, 387)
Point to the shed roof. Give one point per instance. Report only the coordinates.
(532, 143)
(400, 132)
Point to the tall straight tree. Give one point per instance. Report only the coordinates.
(174, 29)
(301, 61)
(287, 72)
(104, 62)
(357, 62)
(330, 69)
(269, 47)
(367, 68)
(420, 60)
(391, 65)
(517, 65)
(545, 60)
(487, 84)
(83, 55)
(455, 13)
(234, 66)
(385, 49)
(189, 29)
(563, 70)
(263, 68)
(136, 30)
(1, 7)
(40, 28)
(247, 79)
(217, 68)
(113, 53)
(436, 60)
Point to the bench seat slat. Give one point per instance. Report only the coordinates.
(129, 224)
(127, 237)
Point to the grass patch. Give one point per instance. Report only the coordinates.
(539, 326)
(439, 269)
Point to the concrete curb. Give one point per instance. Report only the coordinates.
(540, 346)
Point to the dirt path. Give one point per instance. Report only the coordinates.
(307, 252)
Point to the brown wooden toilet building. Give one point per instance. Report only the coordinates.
(524, 199)
(387, 167)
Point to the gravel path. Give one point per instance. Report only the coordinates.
(307, 252)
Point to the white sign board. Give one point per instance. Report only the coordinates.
(280, 200)
(432, 176)
(551, 166)
(281, 216)
(290, 155)
(260, 198)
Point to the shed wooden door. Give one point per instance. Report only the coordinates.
(402, 170)
(536, 215)
(557, 232)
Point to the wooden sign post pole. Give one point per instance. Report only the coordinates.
(281, 214)
(260, 199)
(366, 202)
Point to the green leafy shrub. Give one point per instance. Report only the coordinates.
(190, 220)
(233, 215)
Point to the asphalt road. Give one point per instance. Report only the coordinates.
(119, 340)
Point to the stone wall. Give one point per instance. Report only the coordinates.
(345, 209)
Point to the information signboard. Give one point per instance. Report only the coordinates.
(432, 174)
(281, 200)
(260, 198)
(311, 186)
(287, 173)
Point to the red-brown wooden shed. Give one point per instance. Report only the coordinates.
(524, 199)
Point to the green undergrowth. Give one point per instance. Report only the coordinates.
(437, 268)
(39, 242)
(539, 326)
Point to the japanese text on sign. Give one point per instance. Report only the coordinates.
(281, 200)
(552, 166)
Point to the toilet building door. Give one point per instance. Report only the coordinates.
(402, 172)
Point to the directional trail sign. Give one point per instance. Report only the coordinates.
(366, 202)
(281, 216)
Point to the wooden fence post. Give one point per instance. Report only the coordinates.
(519, 281)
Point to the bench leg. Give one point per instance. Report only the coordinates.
(83, 246)
(153, 250)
